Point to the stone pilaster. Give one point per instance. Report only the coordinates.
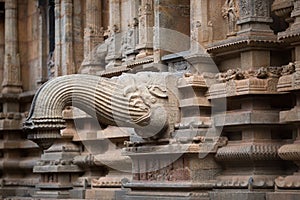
(113, 42)
(201, 29)
(12, 77)
(255, 21)
(251, 124)
(287, 187)
(146, 23)
(130, 37)
(254, 17)
(68, 65)
(57, 52)
(93, 36)
(56, 168)
(42, 70)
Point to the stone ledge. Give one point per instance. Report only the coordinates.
(247, 118)
(290, 116)
(288, 195)
(243, 87)
(229, 195)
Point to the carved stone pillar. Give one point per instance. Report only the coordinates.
(12, 76)
(93, 35)
(251, 124)
(114, 38)
(57, 52)
(56, 168)
(146, 23)
(129, 41)
(68, 65)
(254, 38)
(199, 25)
(254, 17)
(42, 70)
(131, 37)
(255, 21)
(287, 187)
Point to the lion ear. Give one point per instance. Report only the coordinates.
(158, 91)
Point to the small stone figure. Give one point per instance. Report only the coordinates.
(229, 12)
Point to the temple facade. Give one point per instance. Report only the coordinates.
(150, 99)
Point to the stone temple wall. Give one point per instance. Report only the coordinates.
(217, 81)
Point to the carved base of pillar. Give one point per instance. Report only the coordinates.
(56, 170)
(173, 171)
(11, 89)
(144, 53)
(249, 165)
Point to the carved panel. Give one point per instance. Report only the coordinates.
(261, 8)
(257, 8)
(245, 8)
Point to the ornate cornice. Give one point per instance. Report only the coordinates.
(241, 43)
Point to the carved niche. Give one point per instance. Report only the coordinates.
(231, 14)
(255, 8)
(244, 8)
(261, 8)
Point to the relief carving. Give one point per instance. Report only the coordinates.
(230, 13)
(182, 66)
(261, 73)
(244, 8)
(51, 65)
(129, 39)
(168, 173)
(261, 8)
(145, 20)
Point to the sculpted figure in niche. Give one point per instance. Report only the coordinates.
(230, 13)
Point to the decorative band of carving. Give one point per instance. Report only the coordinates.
(248, 152)
(256, 181)
(290, 152)
(289, 182)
